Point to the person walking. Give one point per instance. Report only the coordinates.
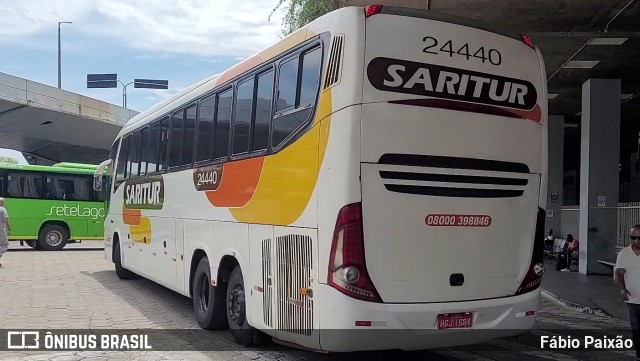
(628, 278)
(6, 229)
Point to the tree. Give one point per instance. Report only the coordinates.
(299, 13)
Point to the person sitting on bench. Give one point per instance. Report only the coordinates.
(570, 252)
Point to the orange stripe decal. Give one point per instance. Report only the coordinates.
(239, 69)
(237, 184)
(131, 216)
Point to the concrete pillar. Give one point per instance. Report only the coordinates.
(555, 169)
(599, 173)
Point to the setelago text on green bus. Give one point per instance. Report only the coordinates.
(50, 206)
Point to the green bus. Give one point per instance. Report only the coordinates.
(50, 206)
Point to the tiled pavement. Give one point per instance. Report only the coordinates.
(597, 294)
(77, 288)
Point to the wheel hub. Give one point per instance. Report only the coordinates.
(204, 293)
(236, 305)
(53, 238)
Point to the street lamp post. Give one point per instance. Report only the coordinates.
(124, 93)
(60, 55)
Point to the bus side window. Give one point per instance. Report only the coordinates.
(152, 155)
(223, 122)
(83, 187)
(204, 143)
(260, 132)
(189, 135)
(68, 187)
(310, 78)
(144, 135)
(298, 83)
(175, 139)
(114, 152)
(242, 120)
(163, 149)
(51, 189)
(25, 185)
(133, 164)
(110, 170)
(287, 84)
(122, 161)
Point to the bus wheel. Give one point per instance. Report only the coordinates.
(208, 301)
(32, 244)
(53, 238)
(123, 273)
(236, 311)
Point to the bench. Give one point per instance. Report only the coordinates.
(610, 264)
(607, 263)
(558, 246)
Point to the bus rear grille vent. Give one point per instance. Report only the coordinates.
(489, 183)
(267, 295)
(294, 265)
(335, 60)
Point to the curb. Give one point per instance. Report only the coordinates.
(581, 308)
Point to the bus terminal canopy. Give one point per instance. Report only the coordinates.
(55, 124)
(579, 41)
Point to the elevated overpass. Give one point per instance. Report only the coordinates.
(56, 125)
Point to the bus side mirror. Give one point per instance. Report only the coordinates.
(97, 176)
(97, 182)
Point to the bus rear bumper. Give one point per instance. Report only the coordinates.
(415, 326)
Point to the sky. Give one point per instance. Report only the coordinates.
(182, 41)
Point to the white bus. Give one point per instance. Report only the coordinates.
(376, 180)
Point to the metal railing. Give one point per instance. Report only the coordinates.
(628, 215)
(570, 221)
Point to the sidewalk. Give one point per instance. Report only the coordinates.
(592, 294)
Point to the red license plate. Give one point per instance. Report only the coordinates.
(455, 320)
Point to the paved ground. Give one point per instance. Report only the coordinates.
(597, 294)
(77, 288)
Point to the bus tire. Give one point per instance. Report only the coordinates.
(208, 300)
(123, 273)
(53, 237)
(33, 244)
(242, 332)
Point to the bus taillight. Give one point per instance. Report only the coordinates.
(527, 40)
(347, 267)
(533, 278)
(371, 10)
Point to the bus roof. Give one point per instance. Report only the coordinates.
(50, 169)
(76, 165)
(449, 18)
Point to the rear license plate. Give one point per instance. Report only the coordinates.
(455, 320)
